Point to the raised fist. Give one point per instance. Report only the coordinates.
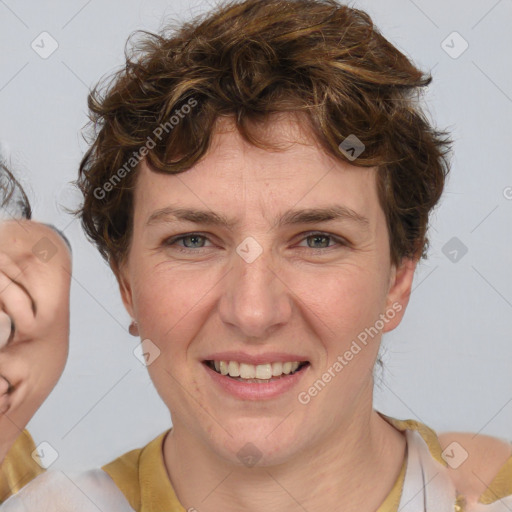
(35, 273)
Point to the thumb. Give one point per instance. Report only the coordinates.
(13, 373)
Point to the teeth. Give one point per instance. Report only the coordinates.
(223, 368)
(247, 371)
(277, 369)
(233, 369)
(250, 371)
(264, 371)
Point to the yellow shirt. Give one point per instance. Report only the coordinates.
(18, 467)
(142, 477)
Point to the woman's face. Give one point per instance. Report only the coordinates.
(263, 289)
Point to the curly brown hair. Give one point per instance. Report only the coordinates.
(13, 199)
(250, 59)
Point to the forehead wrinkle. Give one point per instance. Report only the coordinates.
(290, 217)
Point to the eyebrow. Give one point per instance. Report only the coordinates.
(290, 217)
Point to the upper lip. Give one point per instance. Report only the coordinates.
(267, 357)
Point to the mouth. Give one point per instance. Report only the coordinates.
(256, 374)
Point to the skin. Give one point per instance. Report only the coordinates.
(297, 296)
(34, 357)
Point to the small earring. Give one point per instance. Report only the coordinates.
(134, 328)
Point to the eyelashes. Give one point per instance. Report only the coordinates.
(173, 241)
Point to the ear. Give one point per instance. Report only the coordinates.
(399, 291)
(125, 288)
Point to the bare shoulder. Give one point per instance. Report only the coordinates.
(477, 459)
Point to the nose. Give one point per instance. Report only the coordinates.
(255, 301)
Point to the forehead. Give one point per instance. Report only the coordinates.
(235, 174)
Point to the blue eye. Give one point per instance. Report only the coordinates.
(321, 237)
(189, 237)
(191, 242)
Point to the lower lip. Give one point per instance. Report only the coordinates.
(253, 390)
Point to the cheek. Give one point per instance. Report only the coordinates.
(168, 302)
(342, 306)
(167, 312)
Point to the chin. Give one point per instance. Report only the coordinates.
(254, 442)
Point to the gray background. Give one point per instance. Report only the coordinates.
(449, 362)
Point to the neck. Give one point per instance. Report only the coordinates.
(330, 475)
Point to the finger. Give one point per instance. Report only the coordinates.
(46, 285)
(5, 389)
(6, 329)
(5, 385)
(14, 372)
(4, 403)
(12, 268)
(17, 275)
(15, 303)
